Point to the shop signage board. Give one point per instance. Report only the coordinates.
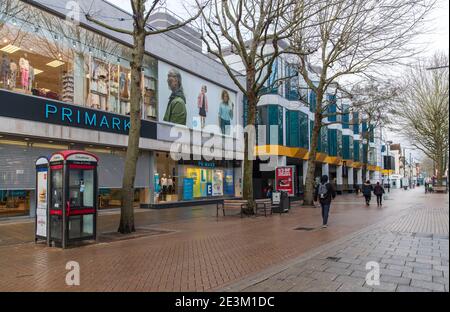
(50, 111)
(284, 179)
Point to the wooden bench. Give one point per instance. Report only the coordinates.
(440, 189)
(234, 204)
(263, 204)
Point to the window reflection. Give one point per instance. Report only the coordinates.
(42, 55)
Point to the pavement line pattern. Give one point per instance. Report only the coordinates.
(408, 260)
(429, 220)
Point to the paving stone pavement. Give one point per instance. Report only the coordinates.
(412, 252)
(202, 253)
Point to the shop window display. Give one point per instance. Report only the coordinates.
(208, 182)
(166, 179)
(14, 202)
(74, 65)
(111, 198)
(26, 71)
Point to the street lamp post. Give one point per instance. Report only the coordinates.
(390, 165)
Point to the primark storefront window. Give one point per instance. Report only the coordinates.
(43, 56)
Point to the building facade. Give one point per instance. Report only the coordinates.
(349, 149)
(66, 86)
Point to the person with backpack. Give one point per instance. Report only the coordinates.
(367, 191)
(378, 190)
(324, 192)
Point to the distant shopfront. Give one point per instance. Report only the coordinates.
(180, 181)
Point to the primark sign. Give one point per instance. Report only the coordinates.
(16, 105)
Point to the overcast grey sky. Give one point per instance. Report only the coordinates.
(436, 40)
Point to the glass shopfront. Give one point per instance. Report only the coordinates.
(191, 180)
(14, 202)
(68, 63)
(167, 188)
(207, 179)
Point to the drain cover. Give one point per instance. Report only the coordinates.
(303, 228)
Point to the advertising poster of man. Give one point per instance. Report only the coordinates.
(176, 108)
(188, 100)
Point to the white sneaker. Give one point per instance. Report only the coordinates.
(324, 226)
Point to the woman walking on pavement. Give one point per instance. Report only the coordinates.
(367, 191)
(324, 192)
(378, 190)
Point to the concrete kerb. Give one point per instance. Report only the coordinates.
(260, 277)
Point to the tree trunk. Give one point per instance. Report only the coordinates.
(366, 137)
(127, 212)
(308, 199)
(252, 101)
(439, 168)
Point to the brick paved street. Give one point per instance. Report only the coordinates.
(412, 251)
(408, 236)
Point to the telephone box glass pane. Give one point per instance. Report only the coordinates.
(57, 190)
(81, 188)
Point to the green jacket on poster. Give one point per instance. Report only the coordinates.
(176, 110)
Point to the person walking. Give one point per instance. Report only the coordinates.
(378, 190)
(367, 191)
(324, 193)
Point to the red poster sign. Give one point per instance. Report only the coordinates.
(284, 178)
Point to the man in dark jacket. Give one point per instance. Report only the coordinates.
(324, 192)
(367, 191)
(378, 190)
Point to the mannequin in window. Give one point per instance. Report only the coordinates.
(13, 75)
(5, 69)
(170, 185)
(24, 66)
(164, 186)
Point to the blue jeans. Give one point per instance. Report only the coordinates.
(223, 126)
(325, 212)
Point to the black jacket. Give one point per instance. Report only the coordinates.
(378, 190)
(367, 189)
(331, 194)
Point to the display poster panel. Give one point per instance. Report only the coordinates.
(194, 174)
(229, 182)
(217, 183)
(41, 211)
(187, 100)
(284, 179)
(188, 188)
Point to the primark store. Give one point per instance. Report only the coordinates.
(66, 86)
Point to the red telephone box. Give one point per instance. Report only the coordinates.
(72, 201)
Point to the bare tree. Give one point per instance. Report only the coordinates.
(9, 9)
(250, 31)
(373, 101)
(142, 9)
(351, 37)
(422, 112)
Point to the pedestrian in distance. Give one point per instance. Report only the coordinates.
(324, 193)
(367, 190)
(378, 190)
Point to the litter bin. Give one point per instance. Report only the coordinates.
(283, 205)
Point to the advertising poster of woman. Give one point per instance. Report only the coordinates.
(202, 103)
(225, 112)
